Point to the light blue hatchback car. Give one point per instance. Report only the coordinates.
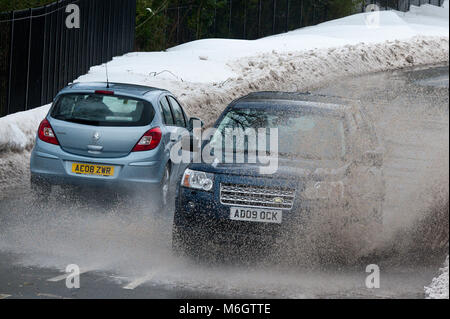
(110, 135)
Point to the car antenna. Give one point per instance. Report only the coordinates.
(107, 79)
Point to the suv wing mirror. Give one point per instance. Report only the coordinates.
(189, 142)
(195, 121)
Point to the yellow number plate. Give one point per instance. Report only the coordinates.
(88, 169)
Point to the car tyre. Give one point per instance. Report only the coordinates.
(164, 191)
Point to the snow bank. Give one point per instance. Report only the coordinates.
(431, 10)
(439, 288)
(207, 74)
(207, 60)
(17, 131)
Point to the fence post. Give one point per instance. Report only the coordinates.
(62, 50)
(259, 18)
(28, 62)
(56, 56)
(84, 24)
(11, 41)
(104, 52)
(245, 20)
(215, 18)
(108, 33)
(44, 51)
(71, 44)
(274, 15)
(165, 29)
(287, 14)
(301, 13)
(229, 19)
(80, 46)
(133, 23)
(178, 25)
(314, 14)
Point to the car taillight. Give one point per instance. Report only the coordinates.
(149, 141)
(46, 133)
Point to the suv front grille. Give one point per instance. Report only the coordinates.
(257, 196)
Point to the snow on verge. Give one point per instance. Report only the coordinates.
(439, 288)
(208, 74)
(18, 130)
(293, 71)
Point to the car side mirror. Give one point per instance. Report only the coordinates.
(372, 158)
(195, 122)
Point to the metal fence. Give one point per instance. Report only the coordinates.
(253, 19)
(403, 5)
(239, 19)
(39, 54)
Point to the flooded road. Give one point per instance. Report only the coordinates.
(123, 249)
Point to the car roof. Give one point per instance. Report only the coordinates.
(134, 89)
(295, 99)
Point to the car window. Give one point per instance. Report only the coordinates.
(102, 110)
(166, 112)
(300, 134)
(177, 112)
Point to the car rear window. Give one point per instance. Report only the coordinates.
(103, 110)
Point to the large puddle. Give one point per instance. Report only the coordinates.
(127, 242)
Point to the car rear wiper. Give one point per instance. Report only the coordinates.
(81, 121)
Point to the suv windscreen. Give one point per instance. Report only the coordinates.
(305, 135)
(103, 110)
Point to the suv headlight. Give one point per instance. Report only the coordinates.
(198, 180)
(324, 190)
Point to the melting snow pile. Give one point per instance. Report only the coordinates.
(438, 288)
(17, 131)
(207, 74)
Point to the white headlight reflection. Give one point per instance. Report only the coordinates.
(198, 180)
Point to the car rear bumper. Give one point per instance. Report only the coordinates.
(49, 163)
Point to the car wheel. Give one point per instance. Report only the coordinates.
(165, 187)
(162, 201)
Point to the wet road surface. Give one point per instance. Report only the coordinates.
(123, 250)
